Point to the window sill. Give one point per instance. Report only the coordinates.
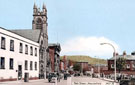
(26, 53)
(20, 52)
(3, 48)
(11, 68)
(2, 68)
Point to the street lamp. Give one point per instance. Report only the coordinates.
(81, 66)
(98, 66)
(114, 57)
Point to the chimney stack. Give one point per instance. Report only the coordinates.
(124, 53)
(117, 54)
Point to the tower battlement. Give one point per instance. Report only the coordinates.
(40, 18)
(38, 11)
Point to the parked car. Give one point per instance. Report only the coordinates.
(66, 75)
(53, 76)
(77, 74)
(61, 75)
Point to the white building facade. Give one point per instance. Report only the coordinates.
(23, 52)
(19, 57)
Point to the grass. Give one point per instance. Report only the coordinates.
(82, 58)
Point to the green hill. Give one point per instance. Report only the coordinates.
(90, 60)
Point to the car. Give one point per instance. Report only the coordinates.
(77, 74)
(66, 75)
(53, 76)
(61, 75)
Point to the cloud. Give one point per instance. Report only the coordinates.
(89, 46)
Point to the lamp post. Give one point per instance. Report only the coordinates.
(98, 66)
(114, 57)
(81, 66)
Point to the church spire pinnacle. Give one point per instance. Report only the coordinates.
(44, 7)
(34, 7)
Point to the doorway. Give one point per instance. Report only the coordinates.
(19, 72)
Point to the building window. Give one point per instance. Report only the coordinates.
(2, 63)
(11, 64)
(128, 66)
(26, 49)
(133, 65)
(31, 65)
(11, 45)
(35, 51)
(112, 65)
(3, 43)
(35, 65)
(31, 50)
(21, 48)
(26, 65)
(39, 24)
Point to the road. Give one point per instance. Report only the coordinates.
(71, 80)
(91, 81)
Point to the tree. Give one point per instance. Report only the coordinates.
(120, 63)
(77, 67)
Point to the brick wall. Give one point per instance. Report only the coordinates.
(51, 54)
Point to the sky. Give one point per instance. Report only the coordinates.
(78, 25)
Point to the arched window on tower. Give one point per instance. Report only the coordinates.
(39, 24)
(41, 43)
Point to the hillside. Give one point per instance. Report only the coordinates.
(88, 59)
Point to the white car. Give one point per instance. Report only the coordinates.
(52, 77)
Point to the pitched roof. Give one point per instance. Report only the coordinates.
(128, 57)
(28, 33)
(55, 45)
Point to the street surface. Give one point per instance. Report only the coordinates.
(73, 80)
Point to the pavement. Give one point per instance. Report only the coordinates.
(83, 80)
(34, 82)
(110, 80)
(107, 79)
(31, 82)
(92, 81)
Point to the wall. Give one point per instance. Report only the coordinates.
(51, 54)
(19, 58)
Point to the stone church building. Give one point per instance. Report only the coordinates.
(39, 34)
(26, 52)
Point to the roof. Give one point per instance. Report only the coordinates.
(128, 57)
(54, 45)
(28, 33)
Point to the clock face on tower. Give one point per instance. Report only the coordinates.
(39, 23)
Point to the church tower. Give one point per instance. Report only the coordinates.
(39, 18)
(40, 23)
